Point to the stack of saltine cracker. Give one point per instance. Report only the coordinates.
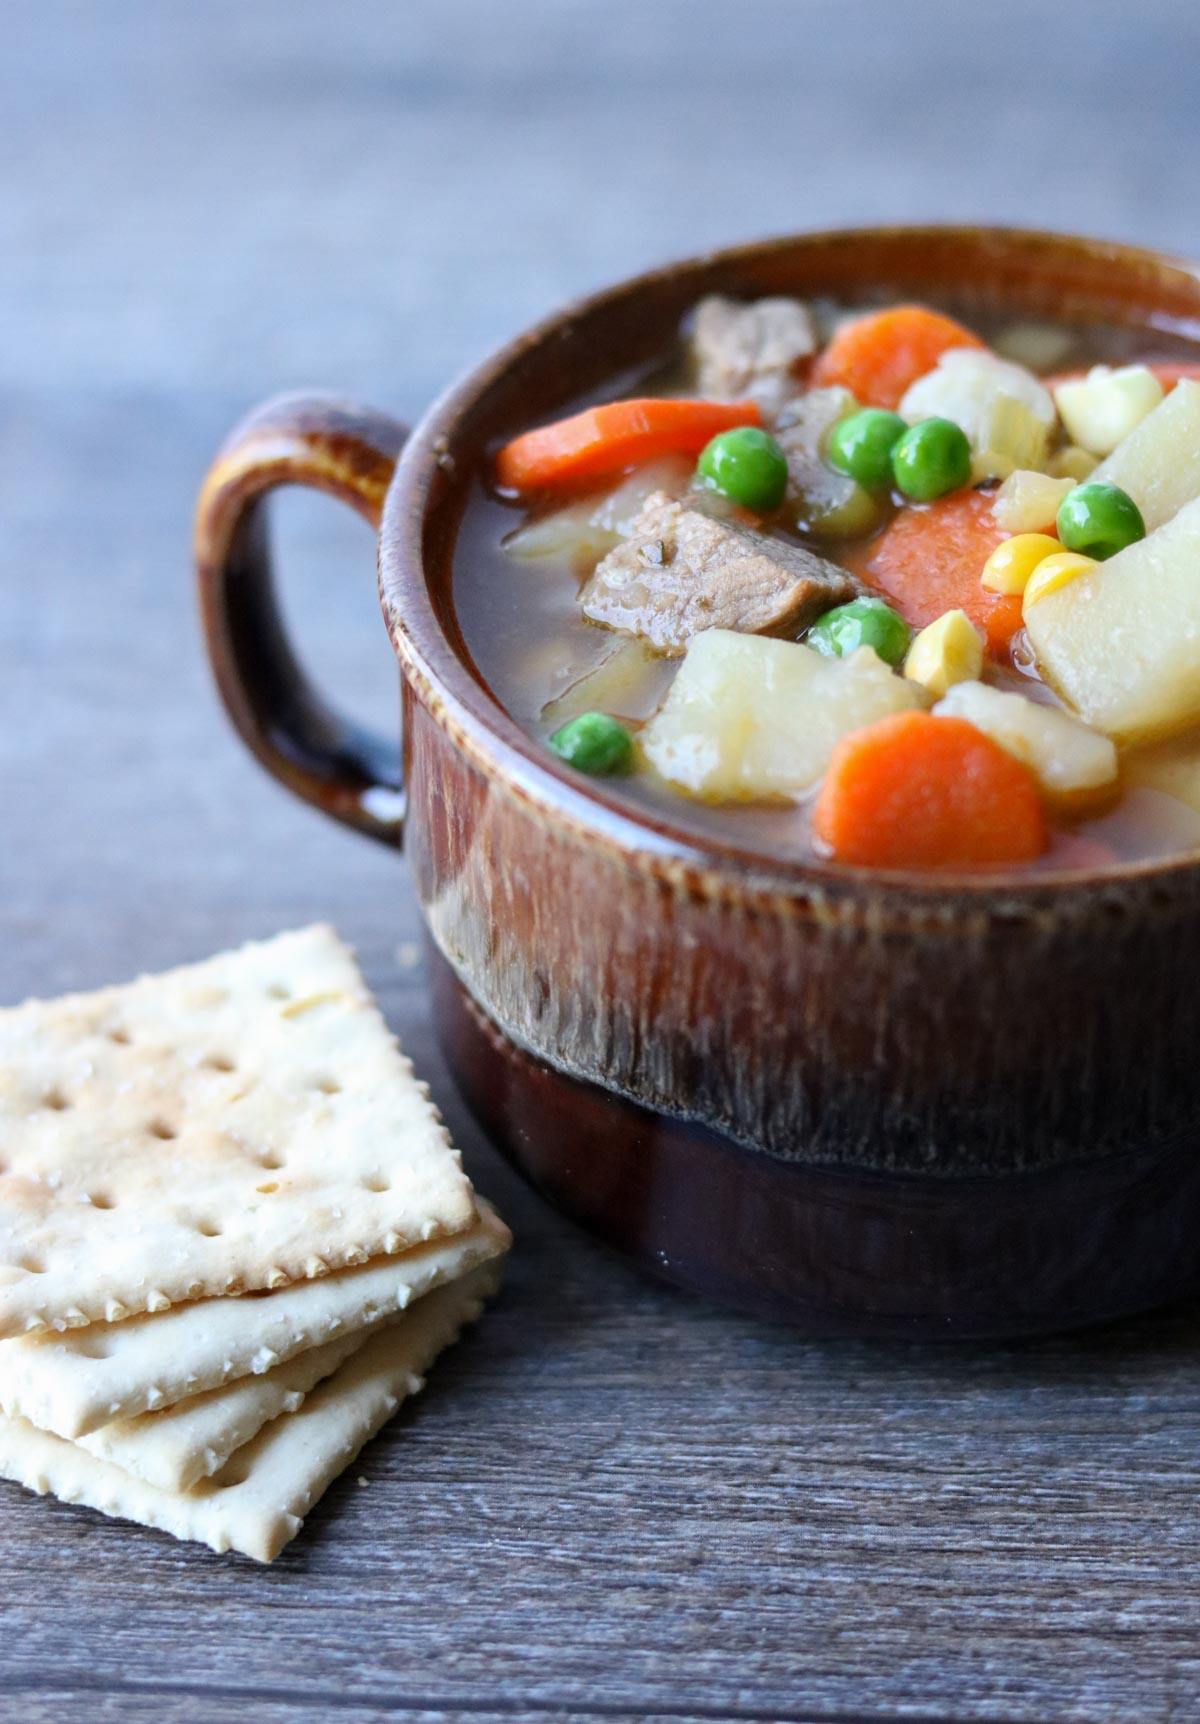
(233, 1235)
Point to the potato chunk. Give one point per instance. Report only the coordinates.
(1065, 756)
(749, 718)
(1104, 407)
(1101, 409)
(1027, 502)
(1159, 462)
(1121, 643)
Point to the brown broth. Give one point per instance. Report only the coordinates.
(532, 646)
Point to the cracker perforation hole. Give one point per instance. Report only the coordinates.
(31, 1265)
(277, 991)
(328, 1086)
(375, 1182)
(162, 1128)
(270, 1158)
(209, 1229)
(121, 1037)
(268, 1187)
(56, 1101)
(102, 1200)
(219, 1063)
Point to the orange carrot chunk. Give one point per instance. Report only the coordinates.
(930, 559)
(914, 791)
(877, 357)
(619, 434)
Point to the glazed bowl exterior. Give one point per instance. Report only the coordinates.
(887, 1104)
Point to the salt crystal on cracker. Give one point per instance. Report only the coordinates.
(239, 1124)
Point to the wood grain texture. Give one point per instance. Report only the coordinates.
(611, 1502)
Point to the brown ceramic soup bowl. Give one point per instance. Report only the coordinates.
(875, 1103)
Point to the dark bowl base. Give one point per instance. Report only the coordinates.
(836, 1252)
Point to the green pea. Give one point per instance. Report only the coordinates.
(863, 622)
(1098, 520)
(862, 446)
(746, 465)
(594, 743)
(931, 458)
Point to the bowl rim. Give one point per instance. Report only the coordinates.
(485, 732)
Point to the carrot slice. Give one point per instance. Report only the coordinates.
(603, 439)
(877, 357)
(914, 791)
(930, 559)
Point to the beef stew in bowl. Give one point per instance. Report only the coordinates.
(906, 587)
(905, 1102)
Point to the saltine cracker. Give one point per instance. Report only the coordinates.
(239, 1124)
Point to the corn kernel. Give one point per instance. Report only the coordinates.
(1054, 573)
(1027, 502)
(946, 652)
(1010, 565)
(1073, 463)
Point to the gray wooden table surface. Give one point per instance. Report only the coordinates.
(611, 1502)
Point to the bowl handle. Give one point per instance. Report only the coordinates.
(350, 452)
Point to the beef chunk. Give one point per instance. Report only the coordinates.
(751, 349)
(681, 571)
